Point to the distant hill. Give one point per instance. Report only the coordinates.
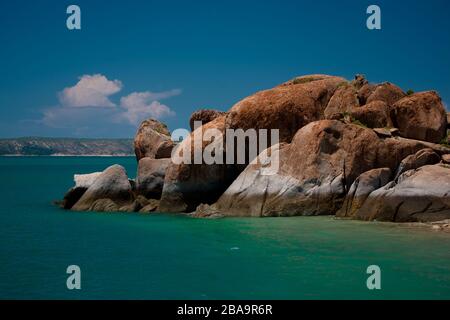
(33, 146)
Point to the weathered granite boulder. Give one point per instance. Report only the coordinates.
(153, 140)
(446, 158)
(421, 195)
(364, 93)
(103, 205)
(150, 177)
(287, 107)
(111, 184)
(419, 159)
(365, 184)
(375, 114)
(344, 100)
(420, 116)
(151, 206)
(386, 92)
(186, 185)
(204, 116)
(316, 171)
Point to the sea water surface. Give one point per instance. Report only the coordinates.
(158, 256)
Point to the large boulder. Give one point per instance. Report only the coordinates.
(420, 116)
(374, 114)
(344, 100)
(150, 177)
(386, 92)
(112, 184)
(287, 107)
(204, 116)
(315, 171)
(153, 140)
(420, 195)
(364, 93)
(365, 184)
(187, 184)
(419, 159)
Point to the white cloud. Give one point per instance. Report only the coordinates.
(141, 105)
(86, 108)
(90, 91)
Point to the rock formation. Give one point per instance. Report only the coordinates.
(112, 184)
(347, 148)
(316, 171)
(150, 177)
(204, 116)
(417, 195)
(420, 116)
(153, 140)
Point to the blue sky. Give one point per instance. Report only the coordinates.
(169, 58)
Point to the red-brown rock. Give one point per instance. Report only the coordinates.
(152, 140)
(420, 116)
(204, 116)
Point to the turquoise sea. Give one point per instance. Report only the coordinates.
(132, 256)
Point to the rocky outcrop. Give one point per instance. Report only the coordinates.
(365, 184)
(375, 114)
(344, 100)
(386, 92)
(186, 185)
(153, 140)
(287, 107)
(103, 205)
(417, 160)
(204, 116)
(420, 116)
(315, 172)
(374, 157)
(421, 195)
(111, 184)
(150, 177)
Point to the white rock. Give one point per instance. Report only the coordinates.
(85, 180)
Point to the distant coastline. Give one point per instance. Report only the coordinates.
(66, 147)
